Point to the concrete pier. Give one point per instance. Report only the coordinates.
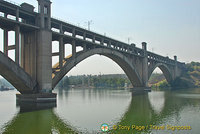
(37, 98)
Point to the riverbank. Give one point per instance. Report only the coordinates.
(190, 78)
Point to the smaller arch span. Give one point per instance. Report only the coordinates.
(117, 57)
(164, 68)
(14, 74)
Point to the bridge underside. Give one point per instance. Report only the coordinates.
(117, 57)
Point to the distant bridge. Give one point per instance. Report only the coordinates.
(32, 71)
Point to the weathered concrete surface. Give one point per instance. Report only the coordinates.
(29, 52)
(44, 61)
(16, 75)
(38, 98)
(138, 69)
(44, 47)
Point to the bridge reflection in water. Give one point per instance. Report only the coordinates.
(39, 121)
(145, 109)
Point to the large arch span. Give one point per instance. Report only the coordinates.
(117, 57)
(14, 74)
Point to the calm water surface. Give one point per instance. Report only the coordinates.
(84, 110)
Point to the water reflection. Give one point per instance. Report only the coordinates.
(139, 113)
(84, 110)
(37, 119)
(87, 109)
(157, 100)
(160, 109)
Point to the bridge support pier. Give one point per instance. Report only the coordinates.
(37, 98)
(145, 65)
(44, 62)
(44, 48)
(140, 90)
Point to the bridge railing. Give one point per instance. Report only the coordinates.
(156, 57)
(117, 45)
(11, 9)
(83, 28)
(93, 37)
(114, 44)
(12, 2)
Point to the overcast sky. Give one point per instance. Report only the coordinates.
(170, 27)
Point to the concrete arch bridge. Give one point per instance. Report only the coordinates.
(32, 73)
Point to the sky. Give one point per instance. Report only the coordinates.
(169, 27)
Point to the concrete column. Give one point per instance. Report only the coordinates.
(44, 61)
(29, 53)
(145, 65)
(61, 42)
(84, 35)
(5, 36)
(102, 41)
(41, 13)
(144, 46)
(115, 46)
(61, 29)
(61, 52)
(5, 15)
(109, 44)
(73, 32)
(22, 51)
(93, 39)
(73, 49)
(128, 49)
(17, 14)
(84, 47)
(122, 48)
(175, 59)
(44, 47)
(17, 30)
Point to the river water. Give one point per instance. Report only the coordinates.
(85, 110)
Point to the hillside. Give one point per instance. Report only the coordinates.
(188, 79)
(155, 78)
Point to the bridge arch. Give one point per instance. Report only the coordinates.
(14, 74)
(164, 68)
(117, 57)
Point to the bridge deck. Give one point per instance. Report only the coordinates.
(27, 21)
